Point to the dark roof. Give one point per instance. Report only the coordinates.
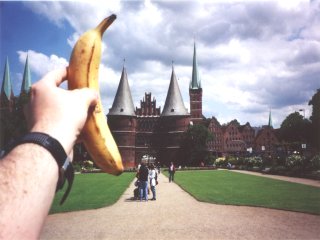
(242, 127)
(122, 104)
(174, 105)
(214, 119)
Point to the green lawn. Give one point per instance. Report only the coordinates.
(91, 191)
(227, 187)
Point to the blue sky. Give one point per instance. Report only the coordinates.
(253, 56)
(22, 30)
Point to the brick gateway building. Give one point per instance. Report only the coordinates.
(146, 132)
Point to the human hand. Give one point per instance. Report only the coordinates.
(58, 112)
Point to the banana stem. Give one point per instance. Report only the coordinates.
(102, 27)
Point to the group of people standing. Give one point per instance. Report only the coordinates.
(146, 176)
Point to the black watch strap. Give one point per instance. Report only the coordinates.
(49, 143)
(66, 170)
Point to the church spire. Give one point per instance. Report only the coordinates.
(195, 81)
(26, 82)
(174, 105)
(6, 89)
(123, 103)
(270, 120)
(195, 92)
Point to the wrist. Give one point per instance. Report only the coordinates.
(53, 147)
(66, 141)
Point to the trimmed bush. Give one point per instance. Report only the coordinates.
(315, 162)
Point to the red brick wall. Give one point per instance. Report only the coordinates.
(195, 105)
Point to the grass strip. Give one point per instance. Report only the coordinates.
(232, 188)
(92, 191)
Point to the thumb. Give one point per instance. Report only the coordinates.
(89, 96)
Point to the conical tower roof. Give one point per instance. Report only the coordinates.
(26, 82)
(6, 89)
(123, 103)
(174, 105)
(195, 81)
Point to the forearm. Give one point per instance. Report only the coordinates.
(28, 178)
(29, 173)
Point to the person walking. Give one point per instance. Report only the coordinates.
(153, 181)
(172, 171)
(143, 180)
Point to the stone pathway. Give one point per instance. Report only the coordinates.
(177, 215)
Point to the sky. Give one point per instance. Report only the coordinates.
(253, 56)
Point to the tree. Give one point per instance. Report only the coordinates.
(194, 145)
(315, 119)
(295, 129)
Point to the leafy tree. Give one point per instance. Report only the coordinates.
(235, 121)
(194, 146)
(315, 119)
(295, 129)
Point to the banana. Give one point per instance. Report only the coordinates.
(83, 72)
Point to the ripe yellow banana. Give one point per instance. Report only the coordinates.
(83, 72)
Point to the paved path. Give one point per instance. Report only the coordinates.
(177, 215)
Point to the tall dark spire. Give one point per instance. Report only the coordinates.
(195, 92)
(123, 103)
(195, 81)
(6, 89)
(270, 119)
(26, 82)
(174, 105)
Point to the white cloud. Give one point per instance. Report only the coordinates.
(40, 64)
(252, 55)
(81, 15)
(108, 82)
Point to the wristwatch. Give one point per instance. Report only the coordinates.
(52, 145)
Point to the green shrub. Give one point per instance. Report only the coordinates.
(295, 161)
(87, 165)
(253, 161)
(315, 162)
(232, 160)
(221, 162)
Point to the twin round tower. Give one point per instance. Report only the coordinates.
(147, 133)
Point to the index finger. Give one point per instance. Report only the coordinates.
(56, 77)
